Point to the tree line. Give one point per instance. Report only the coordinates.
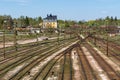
(110, 21)
(24, 21)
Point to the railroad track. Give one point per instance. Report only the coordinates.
(11, 56)
(26, 52)
(63, 70)
(111, 50)
(8, 67)
(27, 68)
(104, 65)
(46, 69)
(40, 58)
(32, 65)
(12, 51)
(111, 44)
(87, 71)
(66, 67)
(13, 78)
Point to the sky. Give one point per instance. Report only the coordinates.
(64, 9)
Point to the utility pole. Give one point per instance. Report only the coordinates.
(107, 51)
(36, 34)
(4, 25)
(107, 45)
(64, 33)
(15, 36)
(95, 38)
(58, 36)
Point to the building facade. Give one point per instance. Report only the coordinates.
(50, 21)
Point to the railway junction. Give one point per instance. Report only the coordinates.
(75, 58)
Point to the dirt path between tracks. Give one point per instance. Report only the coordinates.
(77, 74)
(7, 44)
(109, 61)
(96, 67)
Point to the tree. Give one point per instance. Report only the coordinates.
(107, 18)
(1, 22)
(116, 20)
(27, 21)
(111, 20)
(40, 20)
(73, 22)
(61, 23)
(67, 24)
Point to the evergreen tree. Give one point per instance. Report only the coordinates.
(111, 19)
(27, 21)
(116, 20)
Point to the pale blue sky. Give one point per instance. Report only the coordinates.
(64, 9)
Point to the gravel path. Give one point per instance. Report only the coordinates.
(13, 72)
(7, 44)
(77, 74)
(96, 67)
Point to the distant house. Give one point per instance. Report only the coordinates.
(50, 21)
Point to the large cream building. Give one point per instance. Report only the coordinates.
(50, 21)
